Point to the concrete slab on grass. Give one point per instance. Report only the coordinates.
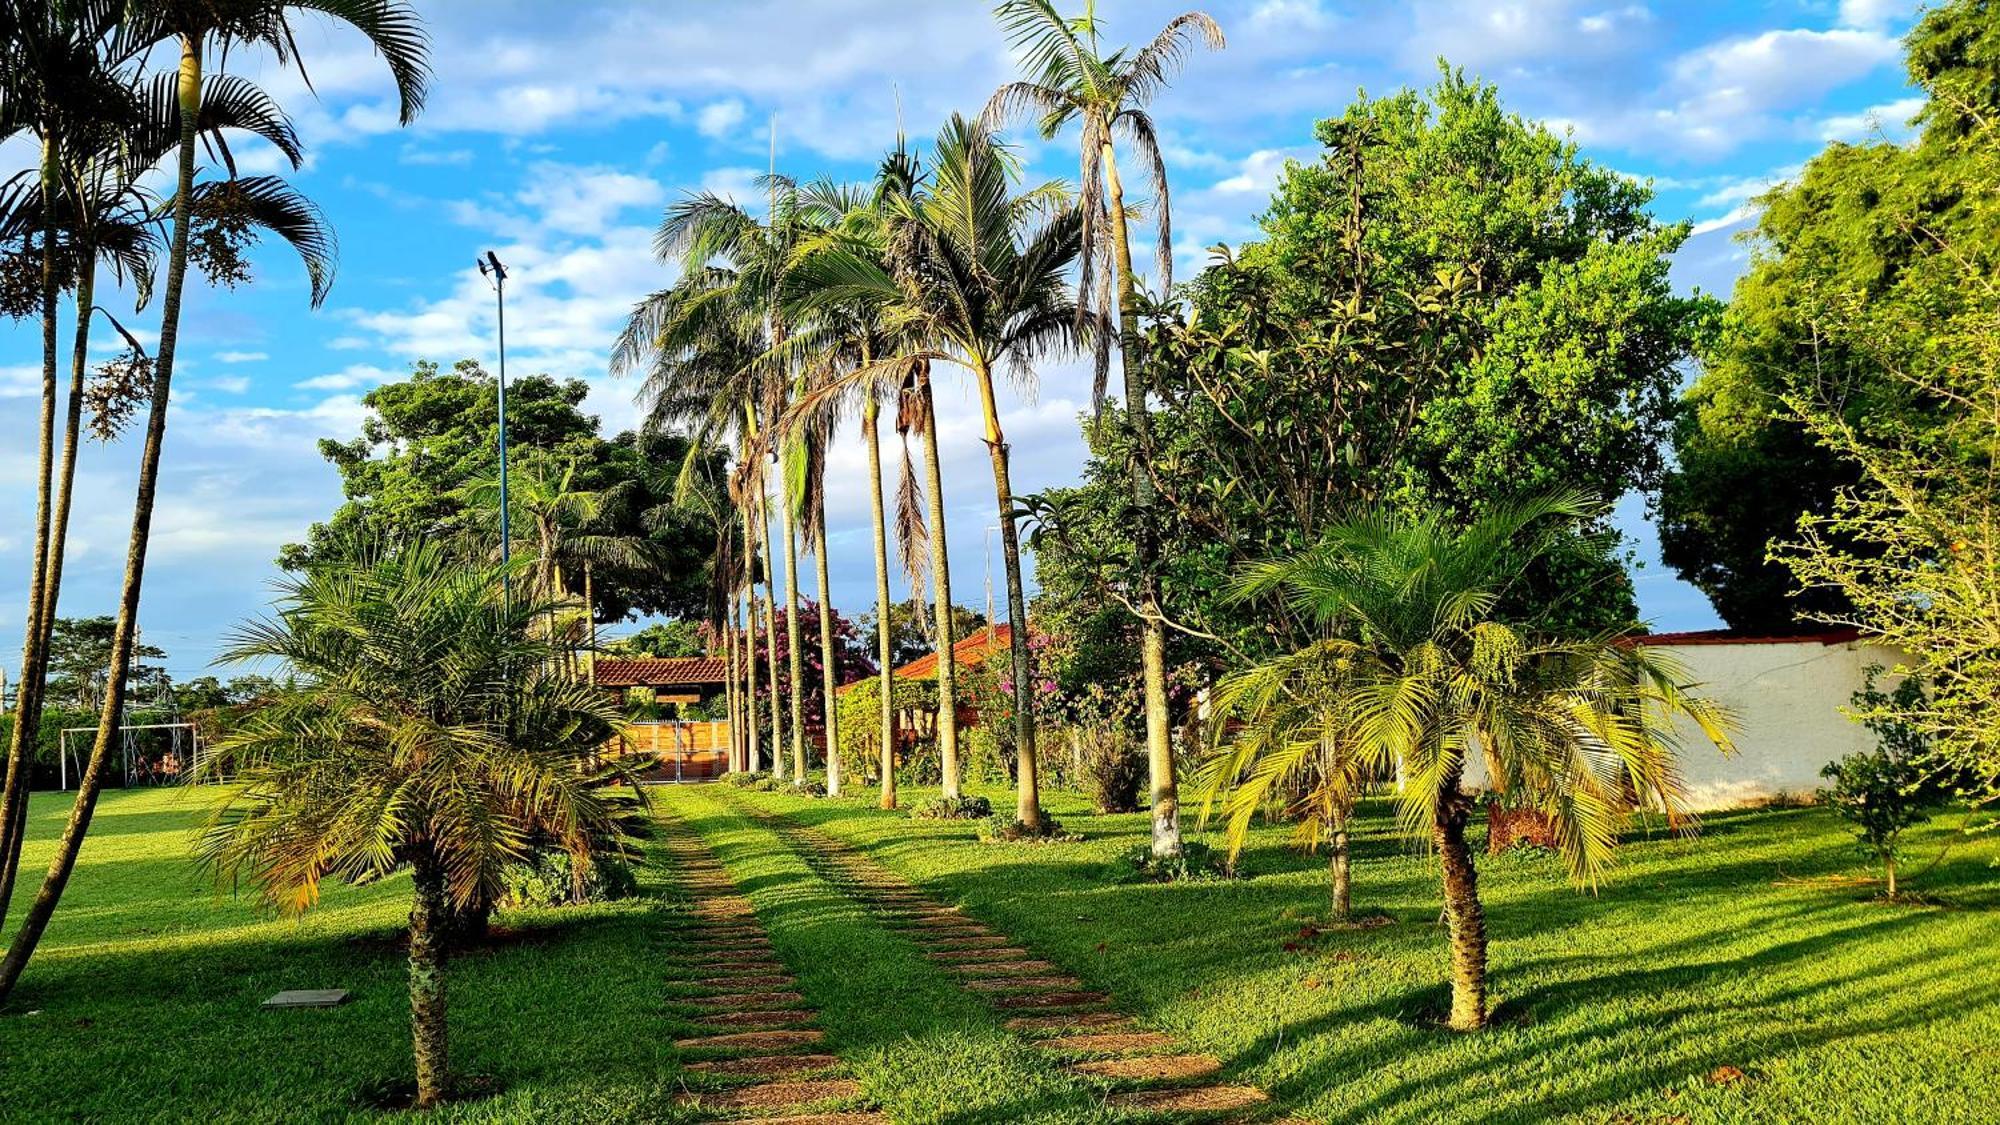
(308, 998)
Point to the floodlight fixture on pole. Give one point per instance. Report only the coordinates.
(491, 269)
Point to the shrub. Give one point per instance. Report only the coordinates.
(953, 808)
(747, 779)
(1113, 767)
(1008, 830)
(1883, 791)
(1197, 863)
(549, 879)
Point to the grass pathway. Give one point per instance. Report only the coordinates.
(754, 1050)
(1078, 1028)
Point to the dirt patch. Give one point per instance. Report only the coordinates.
(1048, 1000)
(753, 1040)
(785, 1018)
(996, 953)
(748, 1000)
(765, 1066)
(1112, 1043)
(1017, 984)
(1161, 1068)
(1079, 1021)
(778, 1095)
(1200, 1099)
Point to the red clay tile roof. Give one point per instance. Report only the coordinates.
(969, 651)
(654, 671)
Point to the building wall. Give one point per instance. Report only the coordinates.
(1786, 698)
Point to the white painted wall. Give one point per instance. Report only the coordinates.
(1786, 698)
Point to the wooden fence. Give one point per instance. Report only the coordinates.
(685, 751)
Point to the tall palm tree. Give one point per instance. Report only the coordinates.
(1417, 676)
(426, 725)
(698, 346)
(984, 273)
(1071, 79)
(195, 26)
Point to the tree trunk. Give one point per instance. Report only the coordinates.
(829, 672)
(1463, 912)
(1027, 775)
(947, 632)
(34, 641)
(794, 645)
(771, 636)
(1340, 867)
(92, 781)
(870, 408)
(1890, 863)
(428, 951)
(1145, 530)
(753, 740)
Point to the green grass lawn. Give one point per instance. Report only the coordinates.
(143, 1001)
(1740, 949)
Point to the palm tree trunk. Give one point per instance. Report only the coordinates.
(947, 634)
(771, 640)
(429, 916)
(870, 409)
(1145, 531)
(1027, 770)
(1463, 912)
(34, 641)
(752, 739)
(1340, 866)
(794, 644)
(92, 781)
(829, 672)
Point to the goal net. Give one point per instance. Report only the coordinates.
(149, 753)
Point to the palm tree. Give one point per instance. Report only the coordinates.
(1416, 676)
(194, 26)
(428, 726)
(983, 272)
(698, 348)
(1071, 79)
(877, 350)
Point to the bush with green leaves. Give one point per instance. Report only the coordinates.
(552, 879)
(1196, 863)
(953, 808)
(1883, 791)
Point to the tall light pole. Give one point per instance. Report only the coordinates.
(491, 269)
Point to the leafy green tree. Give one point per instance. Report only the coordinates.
(1449, 306)
(80, 662)
(431, 728)
(682, 637)
(910, 631)
(1418, 673)
(1883, 791)
(1072, 79)
(428, 444)
(1890, 224)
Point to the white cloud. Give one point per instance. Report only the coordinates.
(1875, 14)
(349, 378)
(718, 119)
(585, 200)
(241, 357)
(230, 384)
(1259, 172)
(1889, 121)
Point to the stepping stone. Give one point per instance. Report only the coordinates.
(1023, 984)
(308, 998)
(1157, 1068)
(1066, 1021)
(746, 1000)
(985, 968)
(740, 957)
(753, 1040)
(982, 951)
(973, 941)
(778, 1095)
(1110, 1043)
(1198, 1099)
(704, 949)
(745, 981)
(789, 1017)
(1049, 1000)
(765, 1066)
(827, 1119)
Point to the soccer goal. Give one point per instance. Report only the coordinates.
(152, 753)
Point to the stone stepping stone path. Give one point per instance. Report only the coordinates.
(753, 1029)
(1150, 1072)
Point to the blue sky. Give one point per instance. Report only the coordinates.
(556, 134)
